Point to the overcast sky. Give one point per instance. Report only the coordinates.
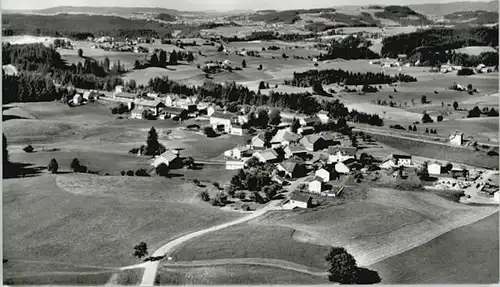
(197, 5)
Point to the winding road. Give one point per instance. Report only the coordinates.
(151, 267)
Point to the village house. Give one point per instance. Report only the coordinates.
(324, 174)
(313, 142)
(434, 168)
(139, 114)
(459, 172)
(291, 169)
(340, 153)
(124, 97)
(170, 99)
(173, 113)
(298, 200)
(295, 150)
(119, 89)
(305, 130)
(345, 167)
(323, 116)
(396, 160)
(235, 164)
(258, 141)
(218, 119)
(237, 152)
(284, 137)
(170, 158)
(457, 139)
(309, 122)
(314, 184)
(152, 105)
(152, 95)
(236, 129)
(266, 156)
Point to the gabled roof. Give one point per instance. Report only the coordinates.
(310, 120)
(173, 110)
(169, 155)
(312, 138)
(347, 150)
(313, 178)
(322, 112)
(148, 103)
(401, 156)
(297, 149)
(268, 154)
(348, 162)
(300, 197)
(125, 95)
(219, 115)
(260, 136)
(289, 166)
(284, 135)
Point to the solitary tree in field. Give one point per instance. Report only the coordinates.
(423, 100)
(141, 250)
(53, 166)
(343, 266)
(80, 53)
(152, 141)
(427, 119)
(243, 64)
(75, 165)
(262, 85)
(455, 105)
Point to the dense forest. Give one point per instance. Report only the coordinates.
(350, 48)
(364, 19)
(472, 17)
(268, 36)
(487, 58)
(326, 77)
(41, 65)
(439, 40)
(286, 17)
(165, 17)
(403, 15)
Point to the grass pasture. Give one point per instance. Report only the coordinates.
(405, 219)
(176, 73)
(443, 152)
(467, 254)
(253, 241)
(234, 275)
(96, 220)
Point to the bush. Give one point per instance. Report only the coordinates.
(245, 207)
(134, 151)
(203, 195)
(28, 149)
(427, 119)
(75, 165)
(216, 184)
(122, 172)
(130, 173)
(440, 118)
(53, 166)
(492, 153)
(162, 170)
(141, 172)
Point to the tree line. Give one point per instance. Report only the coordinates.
(349, 48)
(326, 77)
(442, 38)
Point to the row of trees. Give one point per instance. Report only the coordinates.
(326, 77)
(30, 87)
(441, 38)
(350, 48)
(159, 58)
(486, 58)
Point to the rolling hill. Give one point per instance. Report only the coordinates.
(441, 9)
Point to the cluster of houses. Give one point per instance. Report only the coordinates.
(481, 68)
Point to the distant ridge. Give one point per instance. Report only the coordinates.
(441, 9)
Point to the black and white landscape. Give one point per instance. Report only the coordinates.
(239, 144)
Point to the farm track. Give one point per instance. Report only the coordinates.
(151, 268)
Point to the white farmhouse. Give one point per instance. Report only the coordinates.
(434, 168)
(314, 184)
(300, 201)
(457, 139)
(323, 174)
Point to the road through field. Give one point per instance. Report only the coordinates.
(150, 268)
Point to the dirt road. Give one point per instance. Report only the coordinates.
(150, 268)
